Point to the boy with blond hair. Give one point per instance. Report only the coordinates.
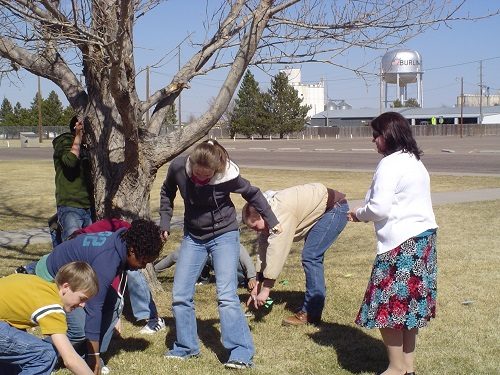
(28, 301)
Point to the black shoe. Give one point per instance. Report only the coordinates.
(21, 269)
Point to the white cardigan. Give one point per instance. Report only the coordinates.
(398, 201)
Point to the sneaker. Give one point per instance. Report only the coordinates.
(170, 355)
(21, 269)
(104, 369)
(239, 365)
(152, 326)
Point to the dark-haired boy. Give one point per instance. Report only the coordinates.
(73, 198)
(29, 301)
(110, 254)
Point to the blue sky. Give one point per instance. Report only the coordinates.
(448, 53)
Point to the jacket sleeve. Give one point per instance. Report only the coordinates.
(254, 196)
(167, 196)
(379, 199)
(62, 150)
(274, 252)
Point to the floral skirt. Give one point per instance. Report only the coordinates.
(402, 290)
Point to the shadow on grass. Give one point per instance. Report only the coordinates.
(208, 334)
(356, 351)
(129, 344)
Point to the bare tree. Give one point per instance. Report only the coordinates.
(62, 40)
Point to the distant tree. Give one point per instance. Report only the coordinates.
(248, 108)
(170, 116)
(410, 103)
(396, 104)
(283, 107)
(52, 110)
(67, 115)
(6, 113)
(23, 116)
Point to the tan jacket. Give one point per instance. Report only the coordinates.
(297, 208)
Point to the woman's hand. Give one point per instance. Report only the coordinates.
(351, 216)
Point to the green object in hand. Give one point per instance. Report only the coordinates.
(268, 303)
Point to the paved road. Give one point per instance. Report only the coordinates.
(470, 155)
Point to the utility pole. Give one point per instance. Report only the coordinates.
(179, 99)
(40, 140)
(461, 107)
(147, 93)
(480, 91)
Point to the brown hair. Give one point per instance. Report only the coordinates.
(80, 276)
(248, 213)
(210, 154)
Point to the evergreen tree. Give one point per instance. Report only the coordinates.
(67, 115)
(52, 110)
(247, 116)
(23, 116)
(6, 113)
(171, 116)
(284, 109)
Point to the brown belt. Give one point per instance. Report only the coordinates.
(334, 197)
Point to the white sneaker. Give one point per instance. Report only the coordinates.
(104, 369)
(152, 326)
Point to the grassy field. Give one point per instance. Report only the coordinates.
(464, 339)
(27, 188)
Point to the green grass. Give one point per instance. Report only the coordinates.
(27, 188)
(463, 339)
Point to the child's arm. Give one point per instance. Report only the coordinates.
(72, 360)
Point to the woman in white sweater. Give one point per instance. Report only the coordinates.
(401, 294)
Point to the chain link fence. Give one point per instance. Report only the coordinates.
(465, 130)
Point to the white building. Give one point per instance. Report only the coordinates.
(311, 94)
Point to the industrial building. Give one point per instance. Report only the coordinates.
(416, 116)
(312, 95)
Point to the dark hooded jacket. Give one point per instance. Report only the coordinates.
(208, 209)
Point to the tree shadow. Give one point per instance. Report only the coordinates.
(356, 351)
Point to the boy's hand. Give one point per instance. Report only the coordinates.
(251, 284)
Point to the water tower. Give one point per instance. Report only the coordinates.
(401, 67)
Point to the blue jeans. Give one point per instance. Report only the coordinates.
(24, 353)
(235, 333)
(72, 218)
(141, 300)
(320, 237)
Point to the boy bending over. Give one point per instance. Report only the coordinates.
(28, 301)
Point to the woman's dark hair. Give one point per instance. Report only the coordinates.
(210, 154)
(144, 236)
(396, 131)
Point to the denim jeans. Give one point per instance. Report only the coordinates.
(235, 332)
(24, 353)
(320, 237)
(141, 300)
(72, 218)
